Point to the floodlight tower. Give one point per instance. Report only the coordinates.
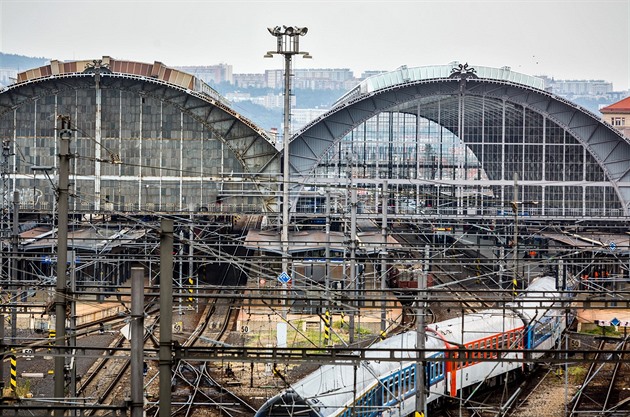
(288, 44)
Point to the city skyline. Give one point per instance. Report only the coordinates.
(565, 40)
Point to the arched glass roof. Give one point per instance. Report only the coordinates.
(404, 75)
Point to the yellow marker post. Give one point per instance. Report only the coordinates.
(13, 374)
(327, 328)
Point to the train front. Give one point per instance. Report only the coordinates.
(287, 404)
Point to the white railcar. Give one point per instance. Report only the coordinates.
(461, 353)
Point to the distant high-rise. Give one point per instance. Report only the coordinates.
(578, 87)
(313, 79)
(211, 74)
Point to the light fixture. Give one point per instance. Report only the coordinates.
(275, 31)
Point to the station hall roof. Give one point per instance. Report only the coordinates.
(405, 75)
(90, 239)
(303, 241)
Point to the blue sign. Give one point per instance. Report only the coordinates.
(284, 277)
(53, 260)
(615, 322)
(612, 246)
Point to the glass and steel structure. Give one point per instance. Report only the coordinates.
(445, 139)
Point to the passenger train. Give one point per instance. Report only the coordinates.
(532, 323)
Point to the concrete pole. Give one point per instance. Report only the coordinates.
(421, 404)
(383, 255)
(327, 250)
(353, 260)
(14, 265)
(73, 325)
(137, 341)
(166, 316)
(65, 134)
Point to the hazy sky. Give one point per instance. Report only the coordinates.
(566, 39)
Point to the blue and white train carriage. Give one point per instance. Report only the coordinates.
(381, 387)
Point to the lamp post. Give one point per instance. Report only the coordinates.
(288, 44)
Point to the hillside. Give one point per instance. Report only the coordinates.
(21, 62)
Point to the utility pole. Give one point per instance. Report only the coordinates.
(421, 390)
(354, 287)
(73, 326)
(383, 256)
(166, 316)
(137, 341)
(65, 134)
(14, 265)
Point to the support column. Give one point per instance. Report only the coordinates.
(353, 259)
(421, 391)
(137, 342)
(383, 256)
(166, 316)
(15, 288)
(97, 143)
(65, 134)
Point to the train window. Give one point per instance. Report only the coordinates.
(403, 383)
(413, 378)
(392, 394)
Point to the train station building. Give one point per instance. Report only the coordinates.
(442, 149)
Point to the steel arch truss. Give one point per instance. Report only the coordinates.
(248, 144)
(606, 145)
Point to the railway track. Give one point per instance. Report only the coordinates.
(599, 393)
(99, 384)
(195, 389)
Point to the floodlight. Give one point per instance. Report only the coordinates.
(275, 31)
